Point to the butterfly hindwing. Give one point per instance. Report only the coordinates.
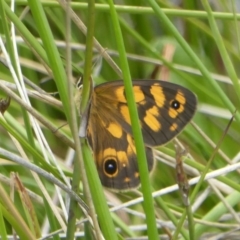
(115, 153)
(164, 109)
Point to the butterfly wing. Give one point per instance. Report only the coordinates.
(114, 151)
(164, 109)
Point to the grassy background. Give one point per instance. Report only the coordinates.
(205, 60)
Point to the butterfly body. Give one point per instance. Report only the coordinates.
(164, 109)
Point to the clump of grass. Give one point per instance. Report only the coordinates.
(37, 126)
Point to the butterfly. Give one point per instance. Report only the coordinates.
(164, 109)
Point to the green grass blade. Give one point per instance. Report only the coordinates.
(141, 155)
(55, 61)
(164, 19)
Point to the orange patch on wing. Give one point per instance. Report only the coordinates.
(127, 180)
(158, 95)
(136, 174)
(125, 113)
(151, 119)
(138, 94)
(109, 152)
(172, 113)
(180, 97)
(115, 129)
(131, 146)
(122, 157)
(173, 127)
(119, 92)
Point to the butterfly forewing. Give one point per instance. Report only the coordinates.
(165, 111)
(164, 108)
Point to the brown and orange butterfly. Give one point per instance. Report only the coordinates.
(164, 109)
